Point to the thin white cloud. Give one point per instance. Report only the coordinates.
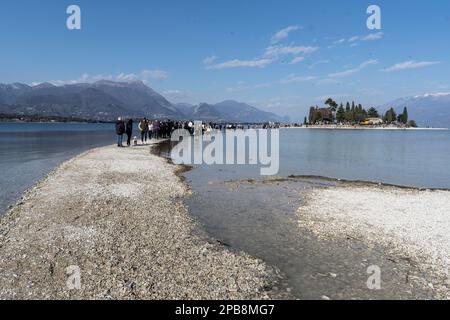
(340, 41)
(412, 64)
(283, 34)
(437, 94)
(85, 78)
(297, 60)
(271, 54)
(368, 63)
(242, 87)
(176, 96)
(276, 51)
(292, 78)
(343, 74)
(144, 76)
(327, 81)
(355, 39)
(336, 95)
(236, 63)
(315, 64)
(350, 72)
(371, 92)
(209, 60)
(373, 36)
(154, 74)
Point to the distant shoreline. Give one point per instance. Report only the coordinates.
(282, 126)
(50, 121)
(365, 128)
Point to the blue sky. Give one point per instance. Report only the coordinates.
(274, 54)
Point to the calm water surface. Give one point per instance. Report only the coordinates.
(28, 151)
(410, 158)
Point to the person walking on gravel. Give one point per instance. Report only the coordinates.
(129, 131)
(120, 130)
(143, 127)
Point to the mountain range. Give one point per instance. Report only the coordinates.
(107, 100)
(228, 110)
(428, 110)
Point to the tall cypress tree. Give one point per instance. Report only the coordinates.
(405, 115)
(340, 113)
(312, 115)
(348, 112)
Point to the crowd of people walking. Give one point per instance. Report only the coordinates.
(149, 129)
(162, 129)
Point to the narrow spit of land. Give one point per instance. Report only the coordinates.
(117, 216)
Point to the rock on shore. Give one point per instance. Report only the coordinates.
(118, 216)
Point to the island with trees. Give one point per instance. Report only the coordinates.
(356, 116)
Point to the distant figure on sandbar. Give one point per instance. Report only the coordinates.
(129, 131)
(156, 129)
(120, 130)
(143, 127)
(150, 130)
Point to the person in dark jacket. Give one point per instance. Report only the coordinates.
(129, 131)
(143, 128)
(120, 130)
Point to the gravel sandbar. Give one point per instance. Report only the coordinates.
(118, 216)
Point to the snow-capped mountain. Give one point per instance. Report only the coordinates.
(429, 110)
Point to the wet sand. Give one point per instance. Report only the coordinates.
(117, 215)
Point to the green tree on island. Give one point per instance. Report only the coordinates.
(312, 115)
(348, 113)
(412, 124)
(373, 113)
(340, 113)
(332, 104)
(355, 114)
(390, 116)
(405, 115)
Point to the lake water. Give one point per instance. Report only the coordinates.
(415, 158)
(248, 212)
(28, 151)
(401, 157)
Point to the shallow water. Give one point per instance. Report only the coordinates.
(28, 151)
(259, 217)
(251, 213)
